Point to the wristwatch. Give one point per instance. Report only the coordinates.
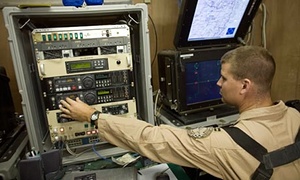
(94, 118)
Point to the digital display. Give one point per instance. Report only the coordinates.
(102, 76)
(66, 80)
(103, 92)
(80, 65)
(201, 81)
(87, 65)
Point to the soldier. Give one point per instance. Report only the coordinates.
(246, 78)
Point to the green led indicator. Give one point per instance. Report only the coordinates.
(54, 37)
(76, 36)
(81, 36)
(44, 37)
(66, 36)
(71, 36)
(60, 36)
(49, 37)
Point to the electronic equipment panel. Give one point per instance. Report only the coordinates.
(78, 50)
(93, 52)
(93, 63)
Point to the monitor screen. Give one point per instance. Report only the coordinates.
(188, 79)
(197, 75)
(201, 81)
(216, 19)
(213, 22)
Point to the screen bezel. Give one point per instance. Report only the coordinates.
(185, 19)
(196, 56)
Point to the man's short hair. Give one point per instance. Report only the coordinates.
(252, 62)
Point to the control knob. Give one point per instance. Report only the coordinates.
(90, 98)
(88, 82)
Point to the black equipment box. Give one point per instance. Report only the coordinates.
(7, 109)
(12, 150)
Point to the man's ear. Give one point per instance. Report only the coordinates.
(246, 85)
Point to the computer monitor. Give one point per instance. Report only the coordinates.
(213, 22)
(197, 75)
(188, 80)
(206, 30)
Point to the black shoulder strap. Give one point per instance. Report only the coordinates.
(246, 142)
(268, 161)
(282, 156)
(253, 148)
(294, 104)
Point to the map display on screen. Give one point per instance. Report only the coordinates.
(216, 19)
(207, 23)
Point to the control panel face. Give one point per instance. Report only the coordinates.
(80, 133)
(91, 97)
(86, 65)
(86, 81)
(93, 63)
(84, 49)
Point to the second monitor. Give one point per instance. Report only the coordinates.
(188, 80)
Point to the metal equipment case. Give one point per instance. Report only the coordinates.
(21, 22)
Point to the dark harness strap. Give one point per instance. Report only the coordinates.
(283, 155)
(253, 148)
(268, 161)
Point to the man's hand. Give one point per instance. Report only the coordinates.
(76, 110)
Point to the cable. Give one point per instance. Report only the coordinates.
(264, 38)
(96, 152)
(69, 150)
(156, 41)
(157, 110)
(158, 114)
(252, 34)
(250, 37)
(241, 41)
(132, 19)
(298, 75)
(155, 107)
(93, 147)
(249, 34)
(73, 153)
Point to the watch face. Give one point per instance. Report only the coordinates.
(95, 116)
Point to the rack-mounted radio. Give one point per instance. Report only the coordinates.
(91, 97)
(86, 81)
(93, 63)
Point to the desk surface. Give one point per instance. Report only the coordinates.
(210, 121)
